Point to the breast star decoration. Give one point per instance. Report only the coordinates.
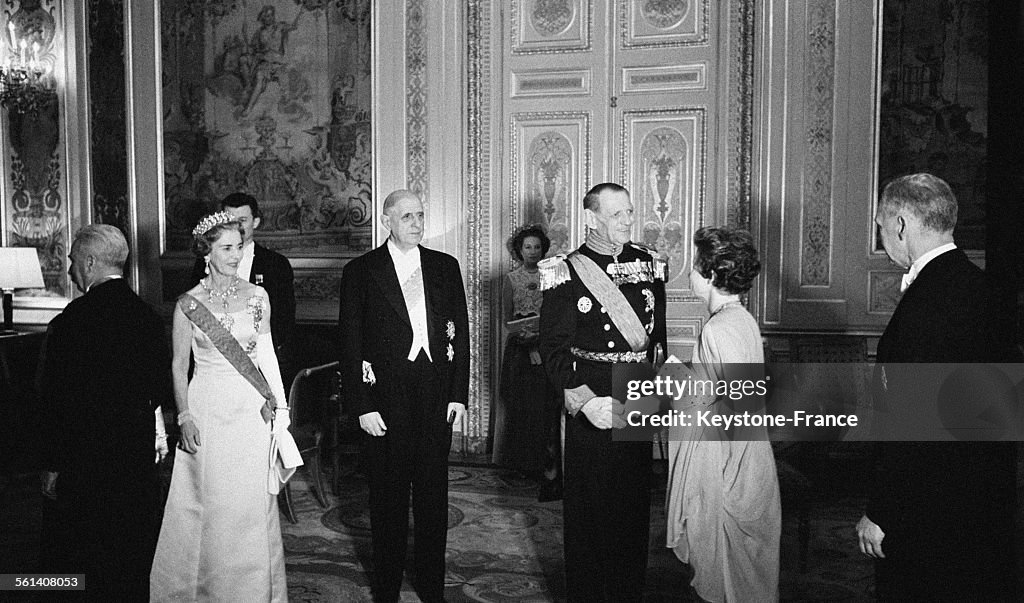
(450, 332)
(649, 298)
(584, 304)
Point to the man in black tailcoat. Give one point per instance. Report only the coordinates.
(939, 519)
(268, 269)
(405, 371)
(105, 370)
(604, 304)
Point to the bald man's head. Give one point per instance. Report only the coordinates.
(397, 196)
(403, 216)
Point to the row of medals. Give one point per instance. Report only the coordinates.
(633, 272)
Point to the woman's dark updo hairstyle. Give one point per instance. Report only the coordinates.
(531, 230)
(727, 256)
(203, 243)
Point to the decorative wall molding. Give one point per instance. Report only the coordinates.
(686, 328)
(884, 290)
(416, 97)
(664, 23)
(549, 160)
(819, 96)
(550, 82)
(478, 203)
(740, 141)
(664, 159)
(551, 26)
(667, 78)
(319, 287)
(815, 158)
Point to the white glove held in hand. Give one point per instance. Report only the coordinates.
(281, 419)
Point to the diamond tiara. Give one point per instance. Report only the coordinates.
(214, 219)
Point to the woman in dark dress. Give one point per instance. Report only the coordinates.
(527, 427)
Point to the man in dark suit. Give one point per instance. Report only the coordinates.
(939, 520)
(405, 371)
(268, 269)
(105, 369)
(587, 326)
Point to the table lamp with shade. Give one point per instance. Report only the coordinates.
(19, 269)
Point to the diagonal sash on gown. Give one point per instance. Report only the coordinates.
(225, 343)
(284, 453)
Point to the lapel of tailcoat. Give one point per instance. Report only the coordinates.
(257, 263)
(383, 270)
(432, 293)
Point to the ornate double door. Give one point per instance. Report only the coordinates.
(639, 92)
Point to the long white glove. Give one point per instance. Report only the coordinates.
(266, 358)
(161, 435)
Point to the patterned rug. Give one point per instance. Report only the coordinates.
(503, 546)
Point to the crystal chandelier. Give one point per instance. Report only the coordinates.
(24, 87)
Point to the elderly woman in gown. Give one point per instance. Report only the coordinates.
(221, 536)
(723, 510)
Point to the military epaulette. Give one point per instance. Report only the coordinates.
(658, 259)
(644, 247)
(553, 271)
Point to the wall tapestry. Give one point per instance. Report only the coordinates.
(934, 100)
(271, 98)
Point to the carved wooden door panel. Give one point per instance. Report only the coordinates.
(821, 266)
(665, 91)
(555, 111)
(629, 91)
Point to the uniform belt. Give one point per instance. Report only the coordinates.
(609, 356)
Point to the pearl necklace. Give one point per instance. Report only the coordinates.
(229, 292)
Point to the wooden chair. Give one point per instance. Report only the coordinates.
(345, 442)
(827, 391)
(310, 397)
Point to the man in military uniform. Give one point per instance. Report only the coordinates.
(603, 304)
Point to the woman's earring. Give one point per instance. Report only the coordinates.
(207, 258)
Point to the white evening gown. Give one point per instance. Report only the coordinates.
(221, 534)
